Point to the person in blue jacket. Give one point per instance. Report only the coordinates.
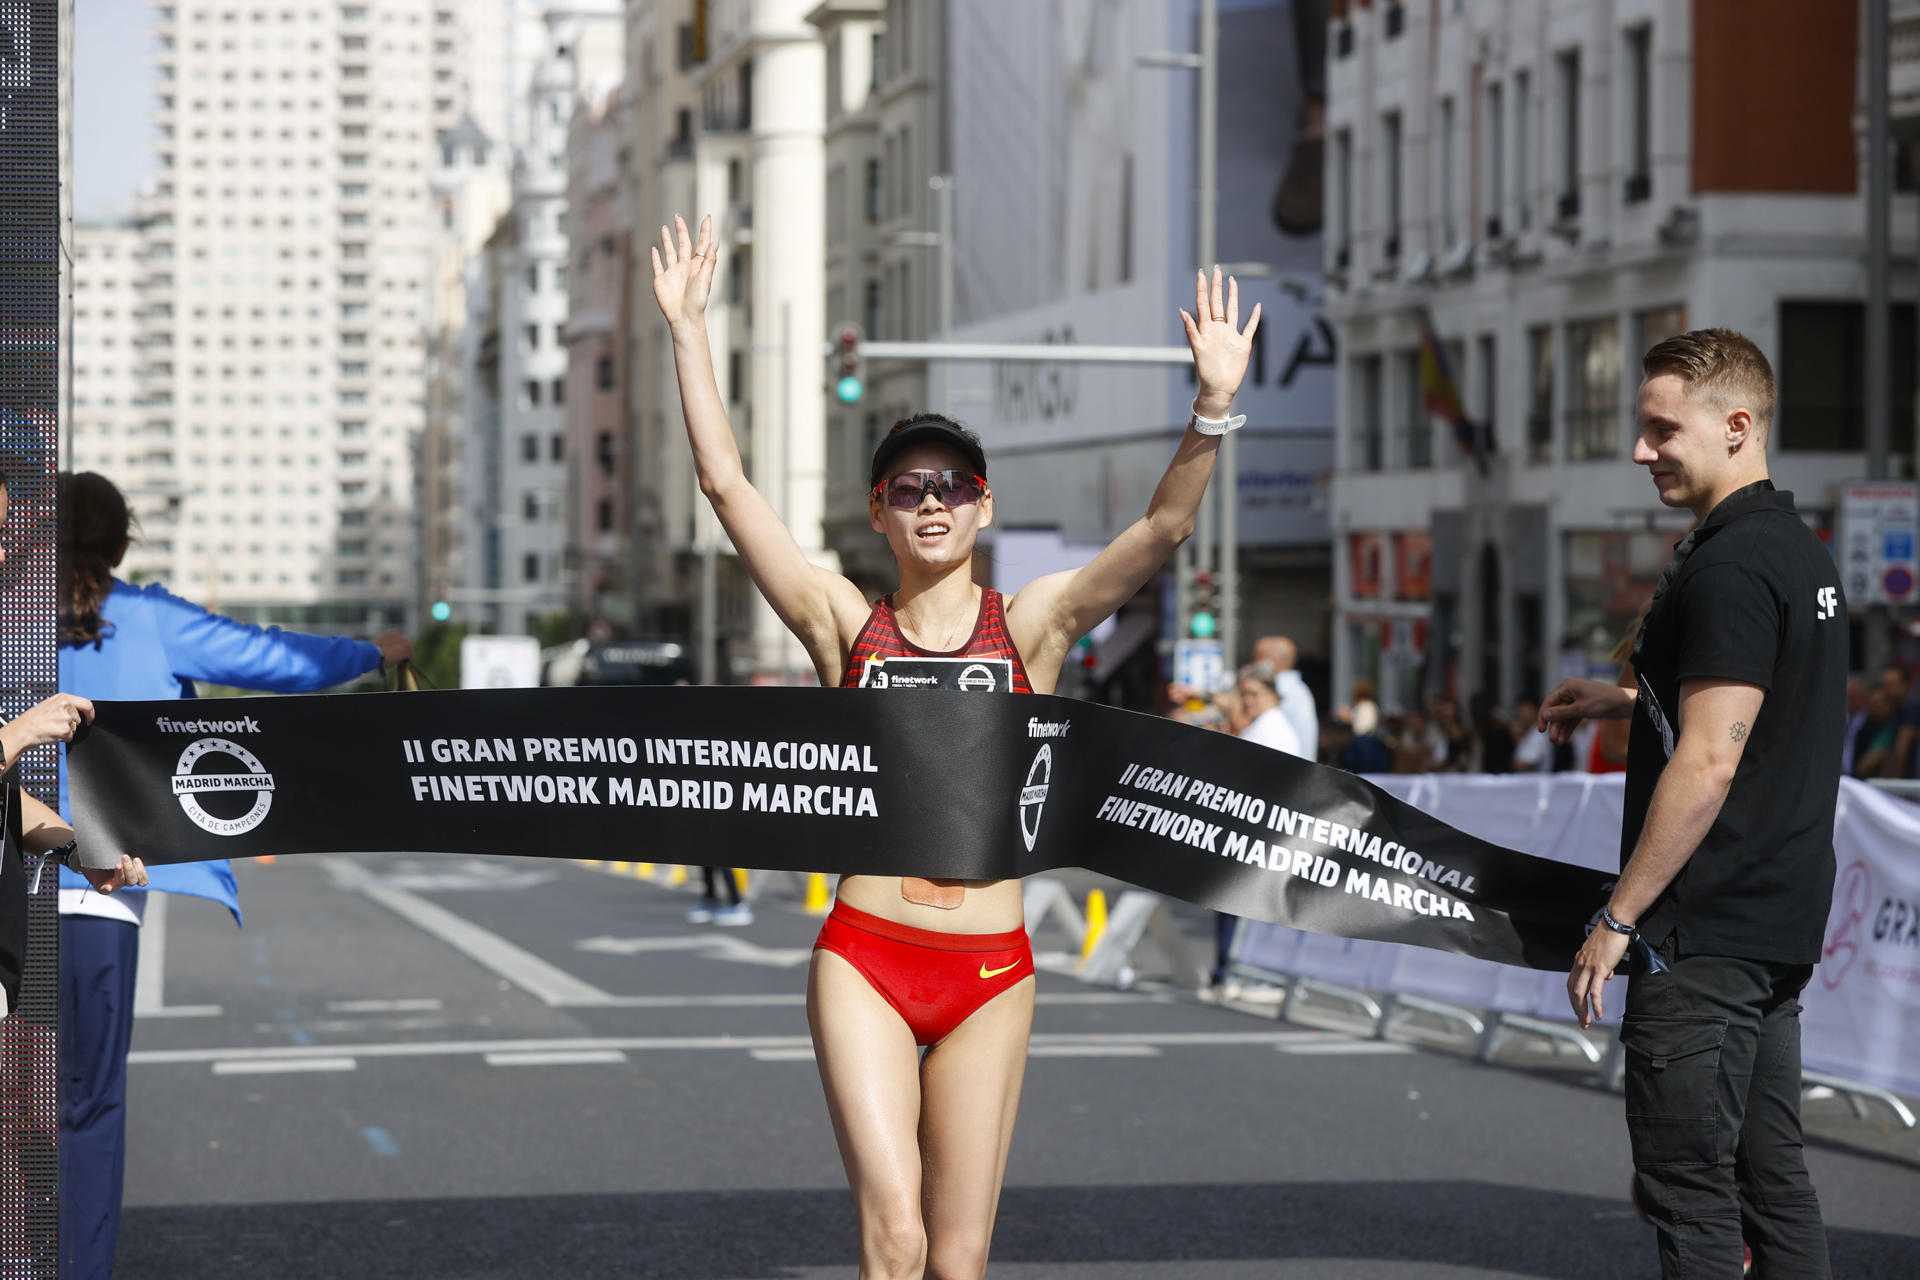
(119, 641)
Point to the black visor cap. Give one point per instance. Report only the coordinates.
(924, 433)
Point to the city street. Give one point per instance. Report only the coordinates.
(457, 1067)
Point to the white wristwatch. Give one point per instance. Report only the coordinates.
(1215, 426)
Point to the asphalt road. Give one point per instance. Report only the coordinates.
(493, 1070)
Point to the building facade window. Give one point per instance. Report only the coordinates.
(1443, 163)
(1567, 68)
(1657, 324)
(1523, 149)
(1390, 186)
(530, 567)
(1340, 215)
(1369, 440)
(1595, 427)
(1823, 378)
(1413, 427)
(1494, 159)
(1540, 394)
(603, 373)
(1639, 106)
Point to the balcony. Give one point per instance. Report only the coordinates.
(1639, 187)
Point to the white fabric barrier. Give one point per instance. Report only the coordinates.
(1862, 1018)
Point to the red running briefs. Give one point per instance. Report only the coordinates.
(934, 980)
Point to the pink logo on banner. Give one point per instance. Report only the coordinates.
(1851, 897)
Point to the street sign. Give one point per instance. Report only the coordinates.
(1878, 525)
(499, 662)
(1200, 664)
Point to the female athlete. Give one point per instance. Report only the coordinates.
(902, 962)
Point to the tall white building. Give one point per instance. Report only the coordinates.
(1559, 186)
(108, 430)
(287, 234)
(517, 503)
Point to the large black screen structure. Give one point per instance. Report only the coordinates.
(30, 229)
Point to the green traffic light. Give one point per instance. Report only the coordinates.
(441, 611)
(849, 389)
(1203, 625)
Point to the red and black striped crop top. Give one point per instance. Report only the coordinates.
(880, 640)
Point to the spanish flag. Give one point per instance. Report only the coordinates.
(1441, 393)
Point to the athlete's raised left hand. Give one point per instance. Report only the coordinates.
(1221, 348)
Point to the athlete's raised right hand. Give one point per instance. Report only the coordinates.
(683, 271)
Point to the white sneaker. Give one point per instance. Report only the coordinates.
(703, 912)
(734, 916)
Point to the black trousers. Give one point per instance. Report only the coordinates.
(714, 879)
(1713, 1109)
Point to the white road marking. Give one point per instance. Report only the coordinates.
(649, 1044)
(723, 946)
(228, 1066)
(557, 1058)
(1092, 1051)
(150, 977)
(784, 1055)
(408, 1004)
(547, 982)
(1340, 1047)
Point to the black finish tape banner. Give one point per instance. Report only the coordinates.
(906, 782)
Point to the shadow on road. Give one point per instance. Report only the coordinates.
(748, 1235)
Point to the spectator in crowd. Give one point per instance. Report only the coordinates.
(1899, 762)
(1856, 716)
(1458, 756)
(1874, 742)
(1363, 713)
(1608, 753)
(1261, 710)
(1413, 748)
(1263, 723)
(1492, 737)
(1532, 752)
(1297, 702)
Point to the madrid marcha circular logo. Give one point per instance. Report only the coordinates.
(1033, 796)
(976, 679)
(189, 786)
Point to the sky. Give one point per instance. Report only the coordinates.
(112, 107)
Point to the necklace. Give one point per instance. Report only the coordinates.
(965, 623)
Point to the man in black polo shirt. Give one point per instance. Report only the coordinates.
(1727, 842)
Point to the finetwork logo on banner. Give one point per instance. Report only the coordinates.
(189, 786)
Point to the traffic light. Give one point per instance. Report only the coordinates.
(1202, 623)
(441, 611)
(849, 388)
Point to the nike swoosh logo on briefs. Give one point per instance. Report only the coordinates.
(994, 973)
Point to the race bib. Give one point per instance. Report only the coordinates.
(963, 675)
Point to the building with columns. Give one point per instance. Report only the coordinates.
(723, 115)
